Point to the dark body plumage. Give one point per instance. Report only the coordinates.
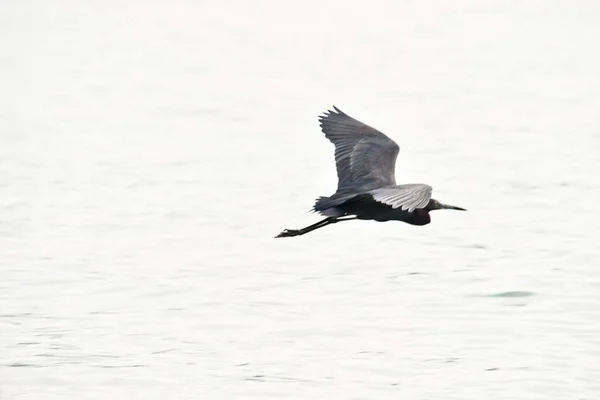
(365, 161)
(365, 207)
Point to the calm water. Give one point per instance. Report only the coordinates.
(150, 151)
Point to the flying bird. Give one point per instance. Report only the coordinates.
(365, 160)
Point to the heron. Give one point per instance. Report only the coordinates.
(365, 160)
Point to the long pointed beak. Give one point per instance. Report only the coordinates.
(449, 207)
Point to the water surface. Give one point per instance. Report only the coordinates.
(150, 151)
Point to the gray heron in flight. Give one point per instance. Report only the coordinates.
(365, 160)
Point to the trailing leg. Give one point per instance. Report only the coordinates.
(310, 228)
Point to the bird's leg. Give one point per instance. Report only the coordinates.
(297, 232)
(310, 228)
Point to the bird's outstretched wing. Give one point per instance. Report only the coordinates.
(409, 197)
(365, 158)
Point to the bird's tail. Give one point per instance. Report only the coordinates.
(328, 207)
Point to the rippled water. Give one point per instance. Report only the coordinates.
(150, 151)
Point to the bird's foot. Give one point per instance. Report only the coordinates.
(289, 233)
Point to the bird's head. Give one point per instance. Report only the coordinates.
(436, 205)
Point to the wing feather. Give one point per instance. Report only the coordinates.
(408, 197)
(365, 158)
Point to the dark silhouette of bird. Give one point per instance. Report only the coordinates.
(365, 160)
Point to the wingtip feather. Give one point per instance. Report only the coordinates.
(338, 110)
(330, 112)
